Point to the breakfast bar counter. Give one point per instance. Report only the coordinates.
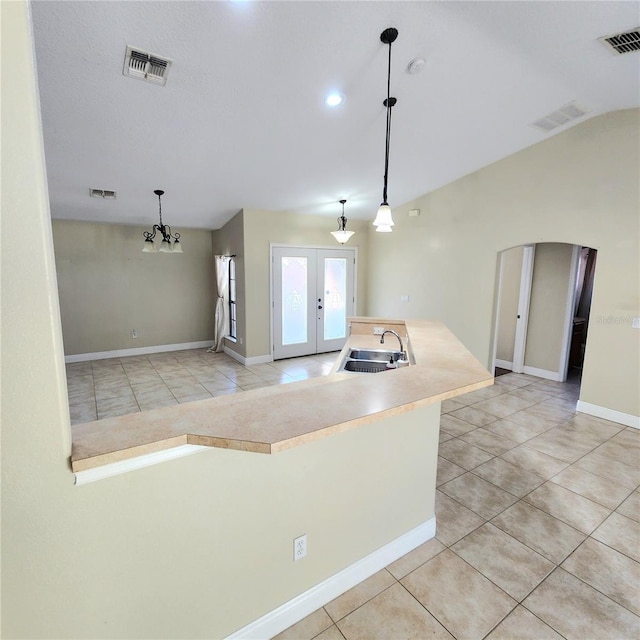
(275, 418)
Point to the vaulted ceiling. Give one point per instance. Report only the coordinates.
(241, 121)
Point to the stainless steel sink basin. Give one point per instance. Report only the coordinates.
(372, 360)
(380, 355)
(365, 366)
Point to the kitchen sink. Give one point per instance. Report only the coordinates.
(372, 360)
(381, 355)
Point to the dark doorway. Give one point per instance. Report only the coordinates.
(582, 306)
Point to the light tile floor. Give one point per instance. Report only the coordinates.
(538, 530)
(107, 388)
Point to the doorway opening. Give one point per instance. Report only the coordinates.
(542, 308)
(582, 306)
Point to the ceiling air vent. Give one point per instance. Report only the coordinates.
(102, 193)
(146, 66)
(623, 42)
(560, 117)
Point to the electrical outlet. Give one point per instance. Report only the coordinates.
(134, 333)
(378, 331)
(300, 547)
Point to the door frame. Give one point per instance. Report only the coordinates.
(279, 245)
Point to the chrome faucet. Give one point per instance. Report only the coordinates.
(403, 357)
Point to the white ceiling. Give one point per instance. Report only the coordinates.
(241, 121)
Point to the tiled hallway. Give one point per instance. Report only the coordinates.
(538, 530)
(537, 507)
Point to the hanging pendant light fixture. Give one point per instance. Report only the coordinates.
(165, 231)
(384, 221)
(342, 235)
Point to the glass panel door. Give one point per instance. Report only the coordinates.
(313, 294)
(295, 296)
(294, 306)
(335, 296)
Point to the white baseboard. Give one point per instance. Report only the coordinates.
(301, 606)
(138, 351)
(532, 371)
(139, 462)
(627, 419)
(247, 361)
(543, 373)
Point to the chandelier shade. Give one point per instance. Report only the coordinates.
(170, 241)
(383, 218)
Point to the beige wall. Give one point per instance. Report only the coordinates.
(263, 228)
(192, 548)
(108, 287)
(548, 308)
(578, 187)
(509, 295)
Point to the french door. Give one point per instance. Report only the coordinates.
(313, 294)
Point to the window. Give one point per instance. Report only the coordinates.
(233, 332)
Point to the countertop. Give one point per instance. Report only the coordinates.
(272, 419)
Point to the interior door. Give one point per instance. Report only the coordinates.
(334, 297)
(313, 294)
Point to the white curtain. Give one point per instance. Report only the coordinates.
(221, 322)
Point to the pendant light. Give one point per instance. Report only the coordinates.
(342, 235)
(384, 221)
(165, 231)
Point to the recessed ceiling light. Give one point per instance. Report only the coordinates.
(334, 99)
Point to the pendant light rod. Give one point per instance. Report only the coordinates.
(388, 36)
(342, 221)
(159, 193)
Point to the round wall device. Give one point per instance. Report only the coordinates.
(416, 65)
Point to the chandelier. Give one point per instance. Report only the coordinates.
(384, 221)
(165, 232)
(342, 235)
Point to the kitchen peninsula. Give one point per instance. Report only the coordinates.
(354, 471)
(275, 418)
